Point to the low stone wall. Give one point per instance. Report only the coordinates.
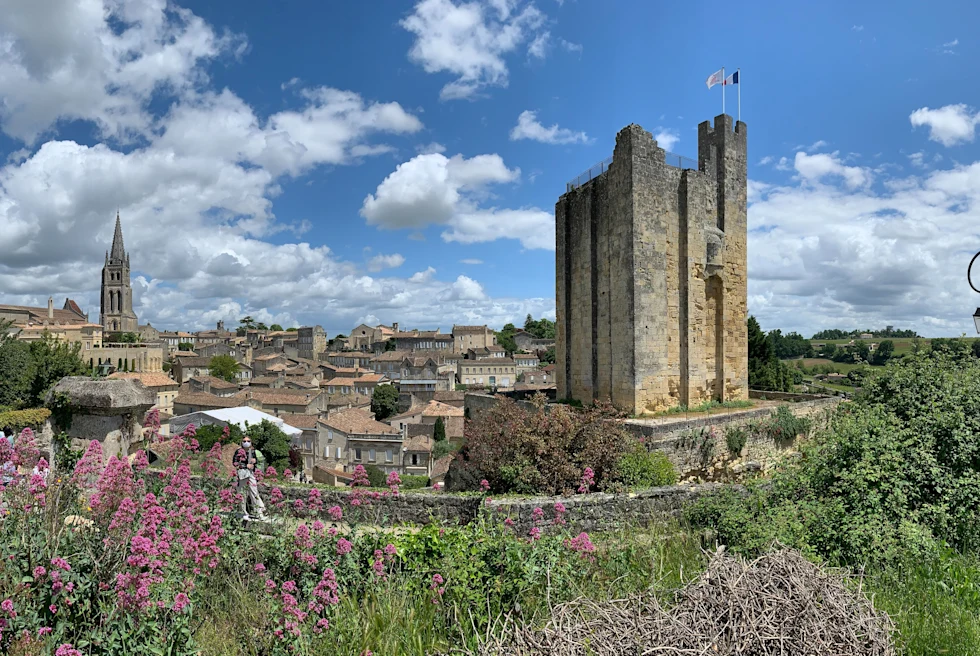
(692, 444)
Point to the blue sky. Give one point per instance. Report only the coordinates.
(309, 162)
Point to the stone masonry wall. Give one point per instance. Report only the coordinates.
(651, 276)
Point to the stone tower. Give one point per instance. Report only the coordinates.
(117, 295)
(651, 275)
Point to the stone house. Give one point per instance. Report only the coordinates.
(303, 383)
(165, 388)
(453, 418)
(241, 352)
(486, 352)
(268, 382)
(411, 417)
(417, 451)
(279, 401)
(389, 364)
(364, 337)
(187, 402)
(311, 341)
(261, 363)
(421, 340)
(307, 440)
(364, 385)
(353, 437)
(491, 372)
(544, 376)
(527, 342)
(526, 362)
(328, 371)
(187, 367)
(212, 385)
(467, 337)
(133, 357)
(453, 398)
(350, 359)
(437, 474)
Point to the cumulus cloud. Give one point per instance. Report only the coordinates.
(539, 46)
(528, 127)
(667, 138)
(470, 40)
(435, 189)
(814, 168)
(381, 262)
(949, 125)
(571, 47)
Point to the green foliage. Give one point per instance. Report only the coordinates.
(128, 338)
(639, 467)
(247, 322)
(261, 326)
(224, 367)
(792, 345)
(17, 373)
(53, 360)
(735, 439)
(886, 349)
(782, 426)
(439, 430)
(19, 419)
(375, 475)
(272, 442)
(540, 329)
(549, 355)
(390, 345)
(410, 482)
(384, 402)
(292, 330)
(893, 477)
(208, 434)
(442, 449)
(835, 333)
(505, 338)
(706, 406)
(185, 346)
(766, 371)
(955, 348)
(275, 326)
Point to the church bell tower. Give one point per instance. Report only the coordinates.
(117, 314)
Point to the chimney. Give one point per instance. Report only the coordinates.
(394, 327)
(50, 308)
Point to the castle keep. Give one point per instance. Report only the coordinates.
(651, 275)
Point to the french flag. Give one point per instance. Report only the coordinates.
(731, 79)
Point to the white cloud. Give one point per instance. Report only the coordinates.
(98, 61)
(857, 28)
(817, 145)
(949, 125)
(667, 138)
(528, 127)
(381, 262)
(471, 261)
(768, 159)
(470, 40)
(433, 147)
(783, 164)
(814, 168)
(571, 47)
(433, 189)
(539, 46)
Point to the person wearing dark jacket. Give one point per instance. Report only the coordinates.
(245, 461)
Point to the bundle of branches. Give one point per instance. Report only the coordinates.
(777, 604)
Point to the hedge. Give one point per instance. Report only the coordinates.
(19, 419)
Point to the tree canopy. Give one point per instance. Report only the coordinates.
(766, 372)
(505, 338)
(272, 442)
(224, 367)
(384, 402)
(540, 329)
(275, 326)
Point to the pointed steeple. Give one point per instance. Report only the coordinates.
(118, 253)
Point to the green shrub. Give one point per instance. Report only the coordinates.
(642, 468)
(735, 439)
(442, 449)
(410, 482)
(375, 475)
(208, 434)
(783, 427)
(20, 419)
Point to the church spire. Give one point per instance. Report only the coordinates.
(118, 253)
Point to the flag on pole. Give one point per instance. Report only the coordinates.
(730, 80)
(718, 77)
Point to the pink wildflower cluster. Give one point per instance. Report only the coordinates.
(381, 558)
(67, 650)
(437, 588)
(560, 511)
(189, 436)
(588, 480)
(484, 485)
(294, 616)
(89, 467)
(26, 451)
(582, 544)
(211, 465)
(152, 421)
(393, 482)
(359, 495)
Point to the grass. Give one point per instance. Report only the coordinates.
(706, 406)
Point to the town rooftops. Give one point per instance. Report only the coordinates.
(355, 421)
(470, 329)
(241, 416)
(304, 422)
(283, 396)
(148, 379)
(206, 400)
(437, 409)
(215, 382)
(489, 361)
(391, 356)
(421, 443)
(38, 315)
(193, 361)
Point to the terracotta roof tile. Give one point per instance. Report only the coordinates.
(418, 443)
(214, 381)
(470, 329)
(437, 409)
(303, 422)
(205, 400)
(391, 356)
(356, 421)
(148, 379)
(441, 466)
(284, 396)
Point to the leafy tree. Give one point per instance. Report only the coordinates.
(885, 351)
(208, 434)
(291, 330)
(240, 331)
(792, 345)
(224, 367)
(384, 401)
(17, 373)
(129, 338)
(390, 345)
(167, 367)
(247, 323)
(976, 348)
(185, 346)
(549, 355)
(53, 360)
(505, 338)
(275, 326)
(295, 459)
(375, 475)
(439, 430)
(272, 442)
(261, 326)
(541, 329)
(958, 349)
(766, 372)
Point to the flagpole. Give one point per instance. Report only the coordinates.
(738, 71)
(722, 89)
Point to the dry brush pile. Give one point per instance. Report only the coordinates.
(779, 603)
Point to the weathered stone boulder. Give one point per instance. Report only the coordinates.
(108, 410)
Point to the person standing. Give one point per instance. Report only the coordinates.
(245, 460)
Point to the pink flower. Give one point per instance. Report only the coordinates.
(537, 514)
(39, 572)
(535, 533)
(487, 501)
(343, 547)
(53, 609)
(336, 513)
(181, 601)
(60, 563)
(508, 522)
(259, 567)
(484, 485)
(559, 508)
(390, 550)
(67, 650)
(8, 606)
(43, 631)
(287, 473)
(588, 479)
(581, 544)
